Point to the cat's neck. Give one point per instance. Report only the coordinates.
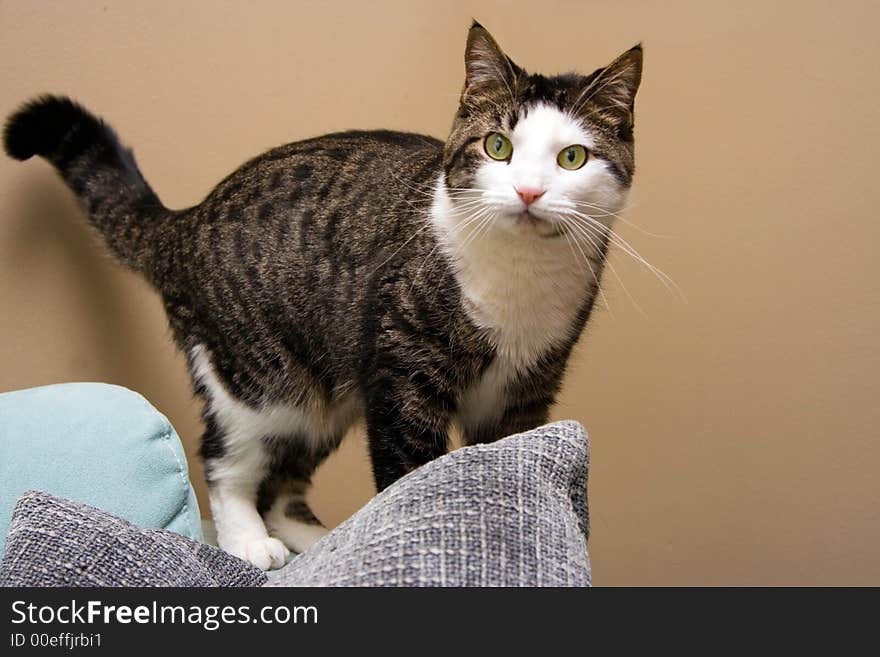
(524, 289)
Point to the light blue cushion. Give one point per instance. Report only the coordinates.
(99, 444)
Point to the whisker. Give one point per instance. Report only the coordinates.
(581, 230)
(454, 230)
(569, 238)
(489, 217)
(618, 216)
(620, 242)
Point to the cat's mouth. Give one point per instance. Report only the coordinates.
(543, 227)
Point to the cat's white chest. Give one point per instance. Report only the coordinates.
(524, 290)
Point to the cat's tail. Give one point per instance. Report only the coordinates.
(100, 171)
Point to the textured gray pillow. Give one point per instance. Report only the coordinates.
(58, 542)
(512, 513)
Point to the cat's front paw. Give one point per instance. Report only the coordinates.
(264, 552)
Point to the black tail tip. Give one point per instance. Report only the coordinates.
(38, 127)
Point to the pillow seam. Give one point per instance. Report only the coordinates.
(166, 440)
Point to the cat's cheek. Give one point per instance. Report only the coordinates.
(594, 184)
(489, 175)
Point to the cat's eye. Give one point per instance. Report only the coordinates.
(572, 157)
(498, 147)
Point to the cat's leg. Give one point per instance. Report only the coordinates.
(282, 498)
(521, 406)
(515, 419)
(407, 426)
(236, 463)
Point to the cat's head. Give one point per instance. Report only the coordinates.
(534, 151)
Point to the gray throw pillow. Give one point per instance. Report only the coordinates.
(511, 513)
(58, 542)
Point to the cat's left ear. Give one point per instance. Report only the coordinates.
(612, 94)
(487, 68)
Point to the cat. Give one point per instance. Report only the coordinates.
(379, 276)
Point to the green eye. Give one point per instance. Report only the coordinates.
(498, 147)
(572, 157)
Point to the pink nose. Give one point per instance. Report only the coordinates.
(529, 196)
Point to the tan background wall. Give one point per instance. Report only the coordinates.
(734, 435)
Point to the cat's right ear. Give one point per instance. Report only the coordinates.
(487, 68)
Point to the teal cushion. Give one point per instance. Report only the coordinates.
(99, 444)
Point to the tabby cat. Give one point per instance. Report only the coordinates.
(383, 276)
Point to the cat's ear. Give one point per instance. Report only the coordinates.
(487, 68)
(612, 93)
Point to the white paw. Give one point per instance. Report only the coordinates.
(264, 552)
(297, 535)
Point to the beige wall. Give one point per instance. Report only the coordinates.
(734, 434)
